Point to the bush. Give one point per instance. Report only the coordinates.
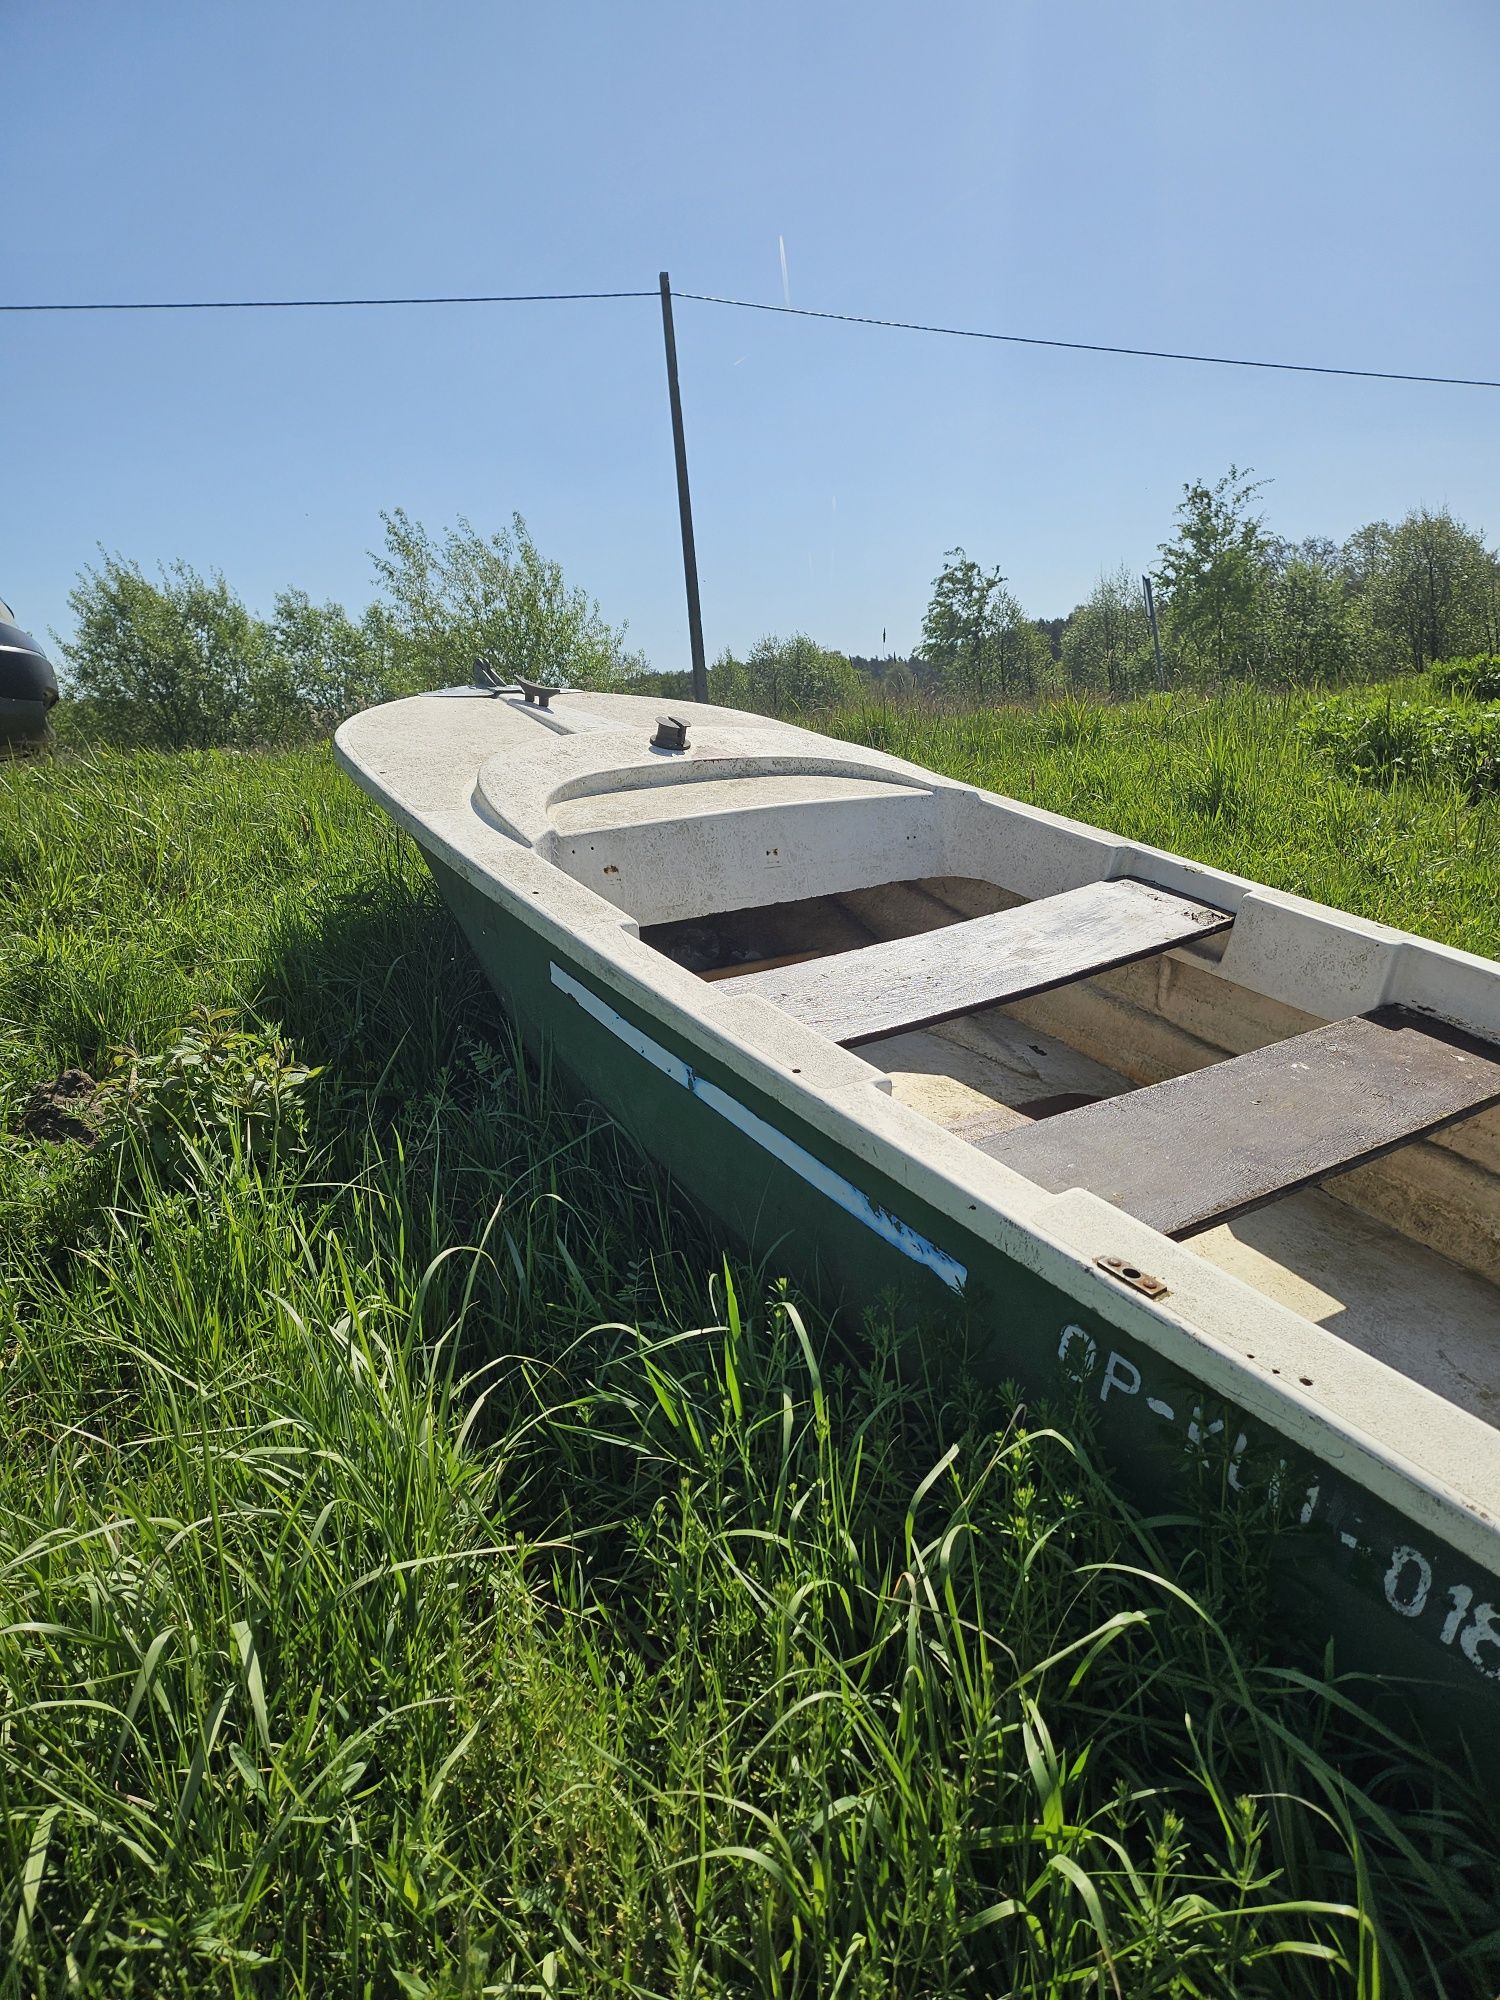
(1380, 741)
(218, 1088)
(178, 664)
(462, 592)
(784, 677)
(1476, 679)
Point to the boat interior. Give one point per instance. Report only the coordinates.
(1349, 1171)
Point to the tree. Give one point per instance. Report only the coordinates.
(334, 667)
(461, 593)
(178, 664)
(1027, 666)
(1214, 572)
(1106, 644)
(1315, 628)
(1431, 587)
(977, 636)
(783, 677)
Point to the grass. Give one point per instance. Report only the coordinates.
(429, 1566)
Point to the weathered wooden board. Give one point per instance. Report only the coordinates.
(855, 996)
(1205, 1147)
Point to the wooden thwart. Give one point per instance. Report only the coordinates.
(1205, 1147)
(881, 989)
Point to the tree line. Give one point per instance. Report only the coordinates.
(1235, 601)
(179, 662)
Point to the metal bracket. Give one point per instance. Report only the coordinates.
(487, 676)
(1132, 1275)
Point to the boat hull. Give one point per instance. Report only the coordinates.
(28, 692)
(25, 727)
(1400, 1602)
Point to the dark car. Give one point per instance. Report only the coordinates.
(28, 689)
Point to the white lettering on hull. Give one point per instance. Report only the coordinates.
(1409, 1575)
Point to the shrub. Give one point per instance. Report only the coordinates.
(219, 1087)
(1477, 678)
(178, 664)
(462, 592)
(1379, 741)
(784, 677)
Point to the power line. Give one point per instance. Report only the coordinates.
(1096, 346)
(758, 305)
(293, 305)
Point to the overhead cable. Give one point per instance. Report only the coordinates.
(294, 305)
(1095, 346)
(762, 306)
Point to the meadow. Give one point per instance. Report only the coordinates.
(433, 1562)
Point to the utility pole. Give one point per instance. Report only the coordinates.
(1161, 677)
(684, 500)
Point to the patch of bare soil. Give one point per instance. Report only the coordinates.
(60, 1112)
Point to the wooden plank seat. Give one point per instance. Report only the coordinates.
(1218, 1142)
(911, 982)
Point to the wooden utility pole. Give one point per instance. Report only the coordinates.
(1149, 595)
(684, 500)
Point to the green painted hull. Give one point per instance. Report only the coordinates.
(1398, 1601)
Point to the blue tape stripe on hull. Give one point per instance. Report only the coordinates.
(854, 1201)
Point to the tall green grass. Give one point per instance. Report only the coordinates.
(427, 1566)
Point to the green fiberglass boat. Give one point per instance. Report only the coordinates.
(1220, 1160)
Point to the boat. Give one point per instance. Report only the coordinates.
(28, 690)
(1220, 1162)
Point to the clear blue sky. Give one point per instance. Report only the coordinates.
(1310, 182)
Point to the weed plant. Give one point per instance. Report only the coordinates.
(429, 1566)
(1477, 677)
(1382, 741)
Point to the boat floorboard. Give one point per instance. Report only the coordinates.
(1310, 1251)
(878, 989)
(1218, 1142)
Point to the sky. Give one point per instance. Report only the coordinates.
(1247, 177)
